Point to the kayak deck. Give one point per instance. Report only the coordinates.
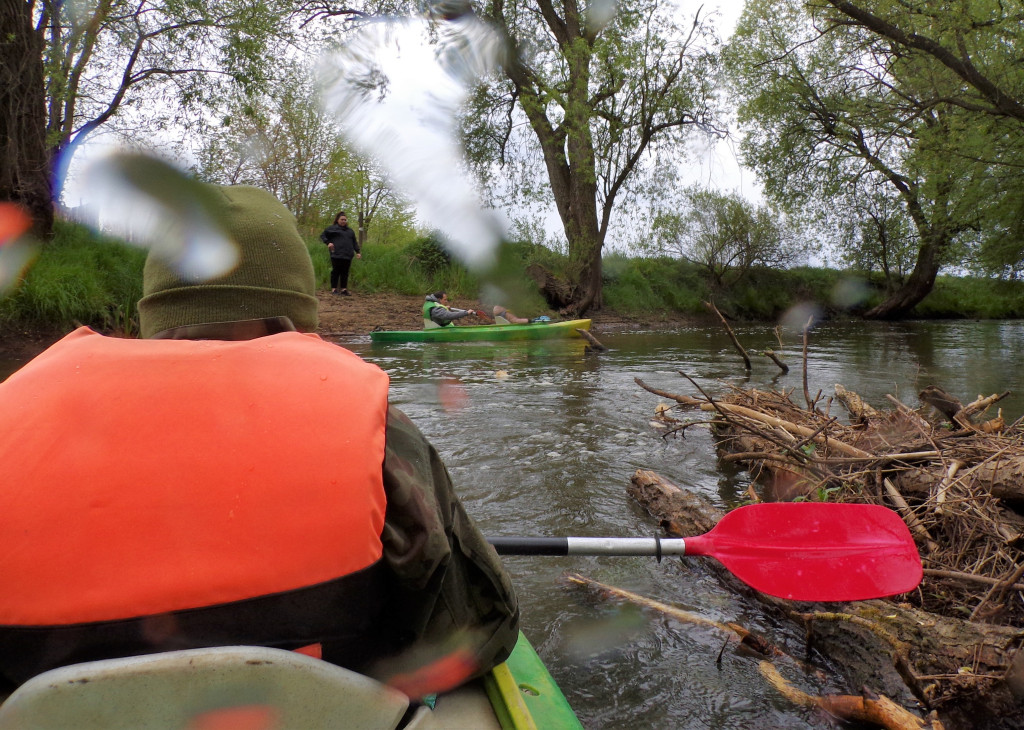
(261, 687)
(486, 332)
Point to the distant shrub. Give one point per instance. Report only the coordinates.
(429, 254)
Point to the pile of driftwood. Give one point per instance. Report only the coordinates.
(956, 475)
(957, 483)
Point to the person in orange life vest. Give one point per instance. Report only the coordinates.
(231, 479)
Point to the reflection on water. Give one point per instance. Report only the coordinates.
(549, 449)
(541, 439)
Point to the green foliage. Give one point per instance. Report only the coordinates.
(79, 278)
(590, 99)
(429, 254)
(723, 233)
(647, 285)
(977, 298)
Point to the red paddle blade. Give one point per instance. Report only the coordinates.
(815, 552)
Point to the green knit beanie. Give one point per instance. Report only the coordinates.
(273, 277)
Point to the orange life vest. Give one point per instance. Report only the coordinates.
(148, 476)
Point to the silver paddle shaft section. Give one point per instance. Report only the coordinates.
(620, 546)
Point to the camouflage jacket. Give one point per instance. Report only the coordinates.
(449, 586)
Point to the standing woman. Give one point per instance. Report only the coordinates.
(341, 242)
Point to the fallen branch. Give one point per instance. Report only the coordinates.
(732, 335)
(908, 514)
(758, 643)
(807, 394)
(860, 410)
(774, 358)
(592, 340)
(882, 711)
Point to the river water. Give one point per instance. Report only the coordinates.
(541, 439)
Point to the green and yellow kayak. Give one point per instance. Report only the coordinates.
(272, 689)
(486, 332)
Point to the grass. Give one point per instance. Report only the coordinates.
(79, 278)
(82, 278)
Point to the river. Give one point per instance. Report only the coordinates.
(541, 439)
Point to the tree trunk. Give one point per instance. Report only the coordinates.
(918, 285)
(965, 669)
(24, 156)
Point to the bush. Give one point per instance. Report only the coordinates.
(429, 254)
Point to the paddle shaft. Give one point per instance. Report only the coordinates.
(620, 546)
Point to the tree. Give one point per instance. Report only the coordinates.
(977, 42)
(24, 154)
(975, 46)
(279, 138)
(725, 234)
(832, 111)
(592, 96)
(876, 234)
(76, 67)
(373, 195)
(602, 95)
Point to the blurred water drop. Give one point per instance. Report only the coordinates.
(796, 317)
(850, 292)
(600, 13)
(16, 249)
(396, 90)
(586, 638)
(452, 395)
(147, 201)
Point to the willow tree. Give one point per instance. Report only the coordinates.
(602, 92)
(832, 111)
(975, 47)
(69, 69)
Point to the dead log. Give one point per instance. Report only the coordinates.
(881, 711)
(753, 641)
(859, 410)
(957, 667)
(775, 359)
(946, 404)
(594, 342)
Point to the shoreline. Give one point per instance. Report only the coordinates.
(356, 316)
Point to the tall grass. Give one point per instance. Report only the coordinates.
(81, 278)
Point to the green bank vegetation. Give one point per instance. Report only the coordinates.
(80, 278)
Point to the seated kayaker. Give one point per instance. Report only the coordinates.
(437, 313)
(232, 480)
(504, 316)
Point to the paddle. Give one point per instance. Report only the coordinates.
(801, 551)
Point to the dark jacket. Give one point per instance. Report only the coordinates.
(344, 239)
